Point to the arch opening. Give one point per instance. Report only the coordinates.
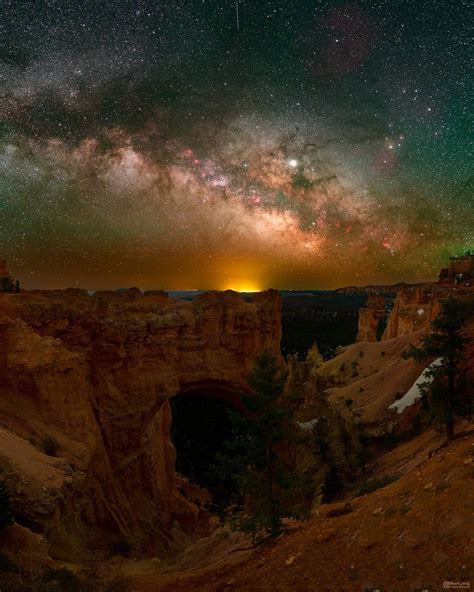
(201, 424)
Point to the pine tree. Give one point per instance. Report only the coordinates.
(332, 484)
(262, 477)
(447, 390)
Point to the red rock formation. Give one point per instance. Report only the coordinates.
(94, 375)
(460, 269)
(414, 308)
(370, 317)
(3, 268)
(6, 282)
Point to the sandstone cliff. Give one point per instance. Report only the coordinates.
(369, 318)
(84, 413)
(414, 309)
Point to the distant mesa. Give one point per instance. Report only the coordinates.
(459, 271)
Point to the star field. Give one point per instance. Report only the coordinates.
(213, 144)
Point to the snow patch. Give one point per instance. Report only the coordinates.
(414, 393)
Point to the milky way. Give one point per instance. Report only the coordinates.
(317, 144)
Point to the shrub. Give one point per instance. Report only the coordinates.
(51, 580)
(362, 456)
(6, 516)
(332, 484)
(416, 424)
(63, 580)
(322, 446)
(12, 587)
(122, 548)
(349, 402)
(390, 439)
(50, 446)
(7, 566)
(117, 586)
(382, 354)
(372, 485)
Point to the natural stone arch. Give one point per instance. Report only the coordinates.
(228, 391)
(96, 372)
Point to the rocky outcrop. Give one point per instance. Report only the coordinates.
(370, 317)
(7, 283)
(461, 269)
(85, 439)
(414, 309)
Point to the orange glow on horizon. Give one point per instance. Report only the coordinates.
(243, 286)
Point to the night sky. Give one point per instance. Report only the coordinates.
(219, 144)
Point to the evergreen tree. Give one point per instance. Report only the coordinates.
(447, 390)
(6, 516)
(332, 484)
(251, 458)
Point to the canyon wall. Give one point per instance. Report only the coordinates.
(414, 309)
(369, 318)
(84, 415)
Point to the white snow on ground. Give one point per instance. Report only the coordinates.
(414, 393)
(308, 425)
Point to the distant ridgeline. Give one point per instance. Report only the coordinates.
(7, 283)
(460, 269)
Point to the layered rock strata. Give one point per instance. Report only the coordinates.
(84, 415)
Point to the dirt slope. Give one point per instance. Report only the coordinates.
(416, 532)
(371, 375)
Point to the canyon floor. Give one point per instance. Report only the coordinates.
(414, 533)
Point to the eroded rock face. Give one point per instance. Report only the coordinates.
(414, 309)
(369, 318)
(6, 281)
(91, 376)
